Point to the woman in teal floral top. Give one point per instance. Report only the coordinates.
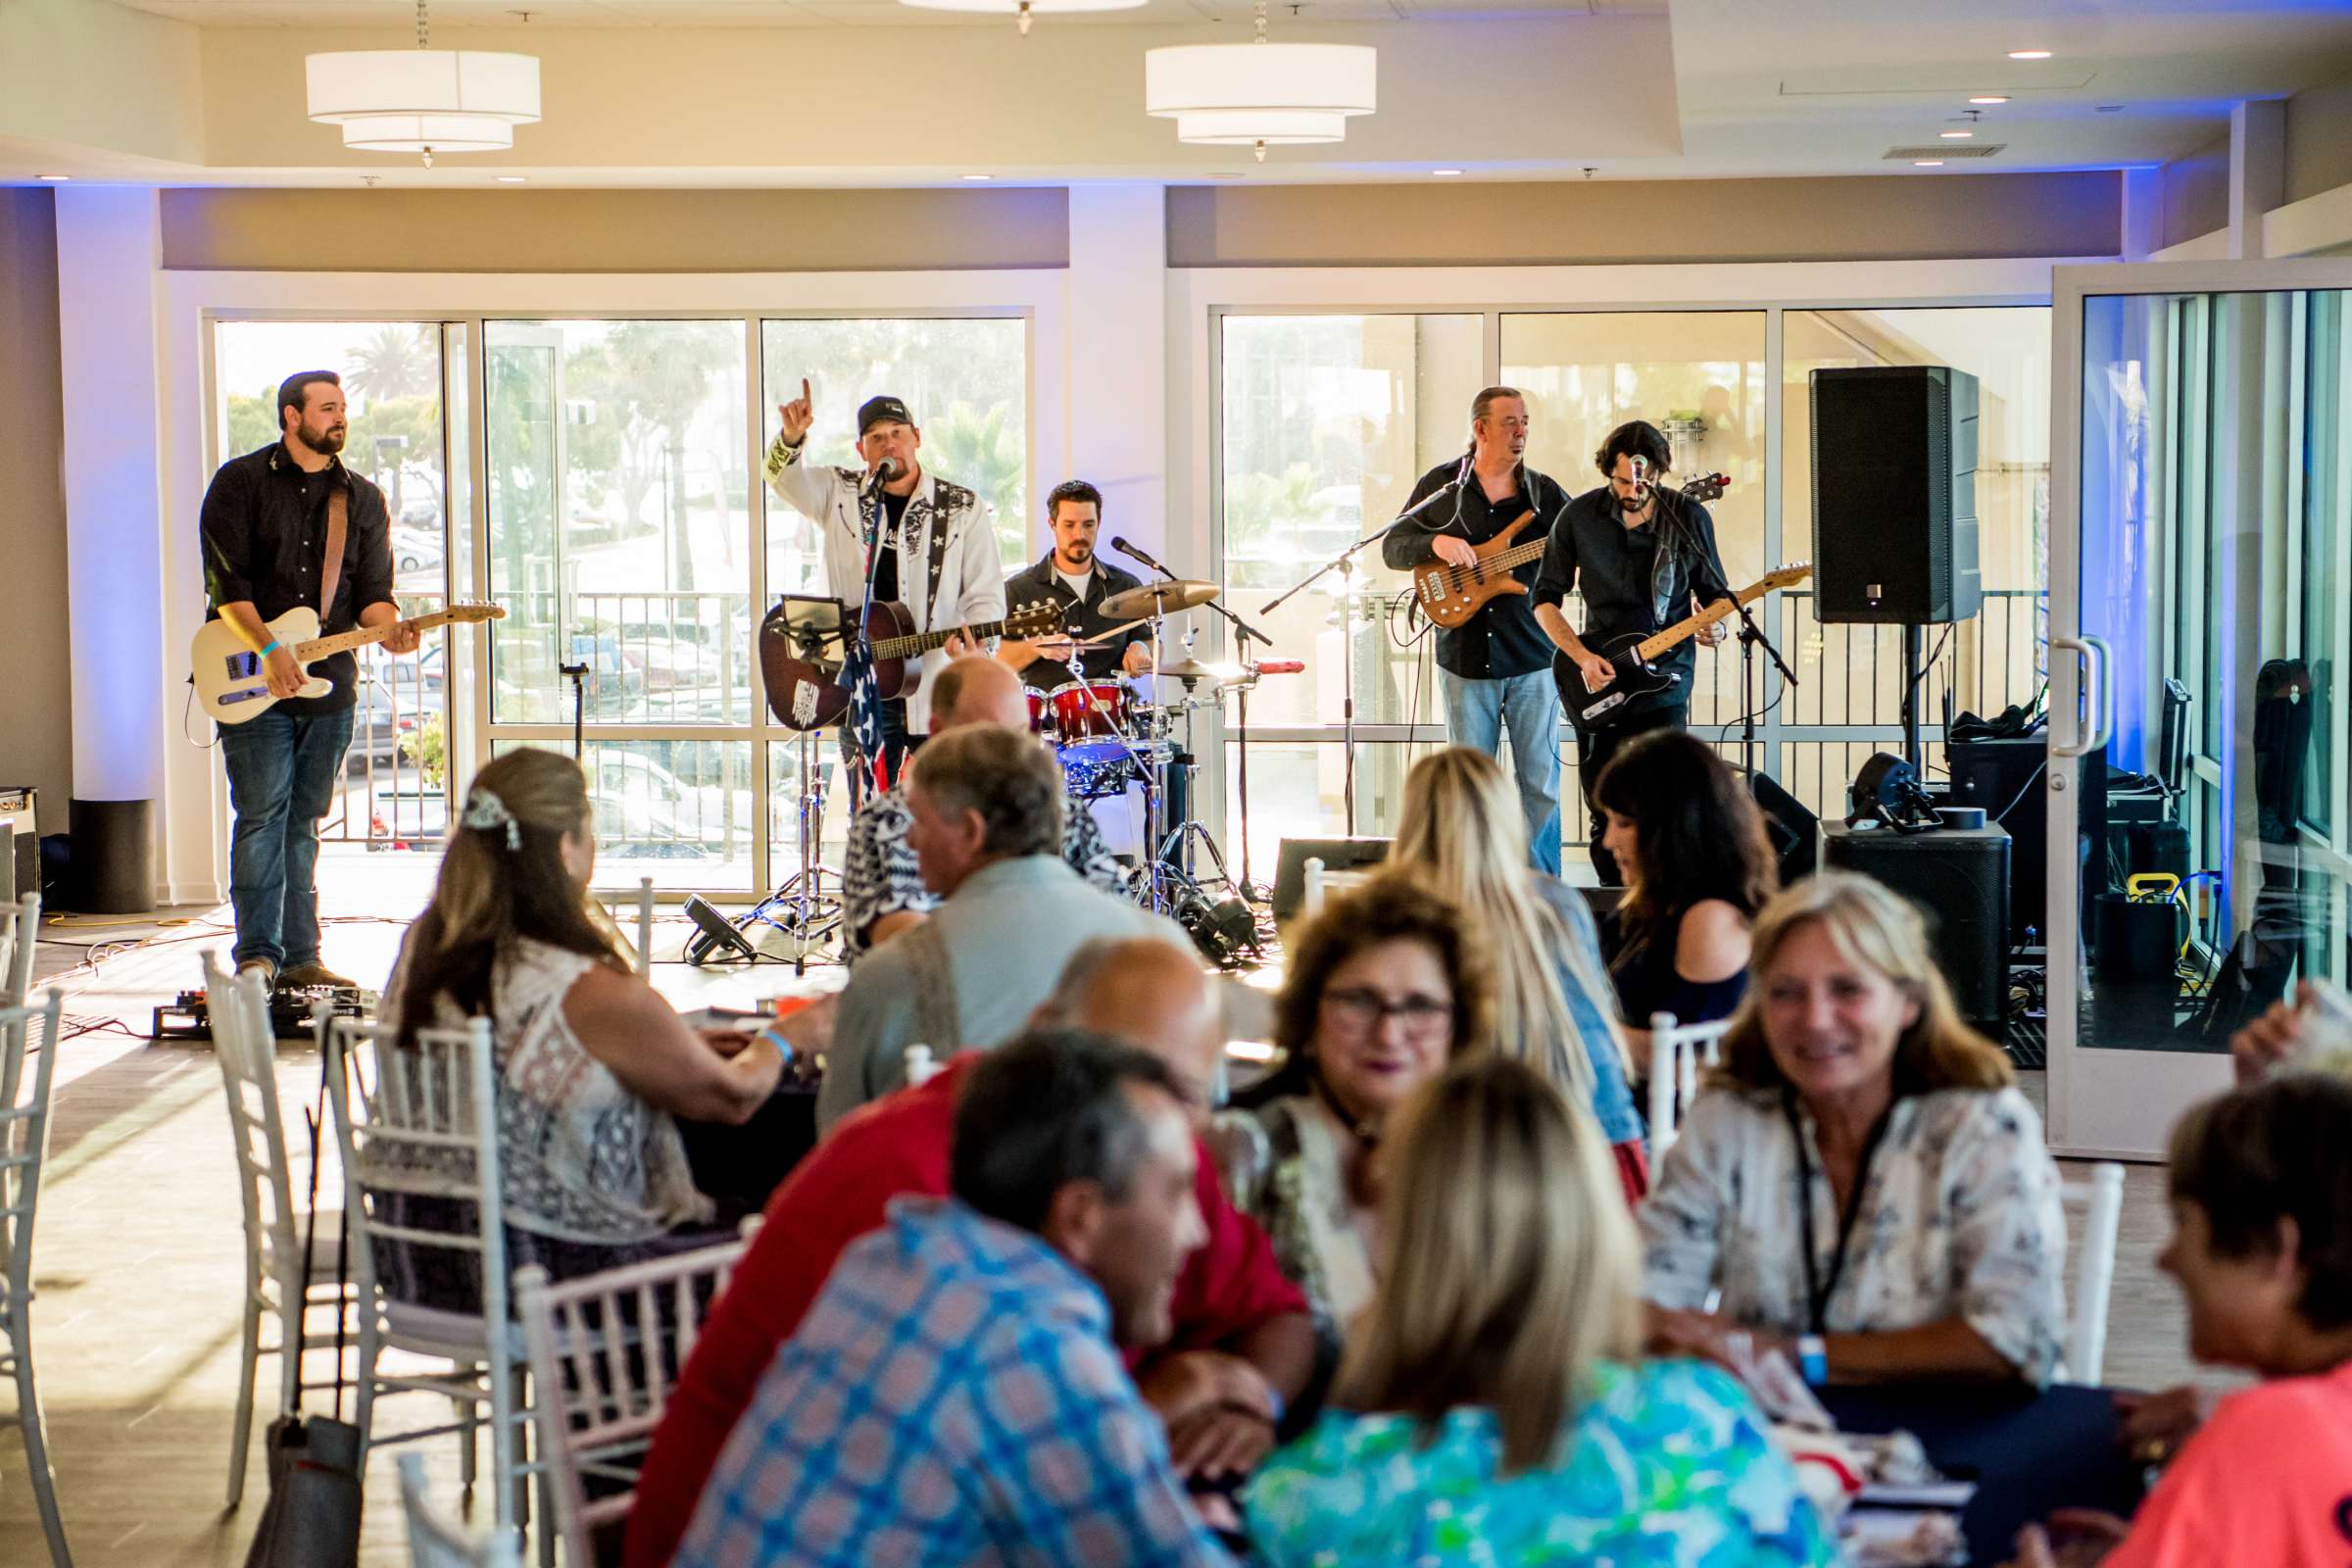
(1491, 1409)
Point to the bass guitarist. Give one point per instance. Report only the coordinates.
(918, 539)
(1639, 553)
(1495, 671)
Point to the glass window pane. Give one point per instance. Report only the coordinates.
(1699, 375)
(964, 379)
(2327, 527)
(619, 519)
(1327, 423)
(679, 812)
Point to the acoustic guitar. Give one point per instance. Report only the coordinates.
(231, 686)
(1450, 595)
(801, 672)
(1631, 655)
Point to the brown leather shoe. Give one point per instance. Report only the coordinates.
(313, 973)
(269, 971)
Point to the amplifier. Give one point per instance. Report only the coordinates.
(1959, 878)
(21, 843)
(1336, 854)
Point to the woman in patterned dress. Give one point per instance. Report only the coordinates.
(592, 1066)
(1492, 1408)
(1862, 1181)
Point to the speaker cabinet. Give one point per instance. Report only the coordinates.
(2004, 777)
(1959, 878)
(1336, 854)
(1895, 495)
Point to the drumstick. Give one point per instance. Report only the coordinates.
(1066, 641)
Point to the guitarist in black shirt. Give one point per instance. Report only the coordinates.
(1643, 559)
(1495, 671)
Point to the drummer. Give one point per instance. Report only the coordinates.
(1073, 577)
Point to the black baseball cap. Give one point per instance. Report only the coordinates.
(875, 410)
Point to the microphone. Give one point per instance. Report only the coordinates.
(1119, 543)
(884, 471)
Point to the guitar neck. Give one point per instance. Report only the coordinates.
(923, 642)
(1691, 625)
(362, 636)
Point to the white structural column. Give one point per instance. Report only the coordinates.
(1117, 393)
(108, 254)
(2257, 173)
(2143, 213)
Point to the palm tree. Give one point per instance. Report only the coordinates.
(399, 361)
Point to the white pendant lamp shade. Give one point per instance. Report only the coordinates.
(1260, 92)
(408, 100)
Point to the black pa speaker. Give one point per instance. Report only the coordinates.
(1336, 854)
(1959, 878)
(1895, 495)
(1790, 826)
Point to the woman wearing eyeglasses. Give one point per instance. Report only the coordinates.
(1388, 985)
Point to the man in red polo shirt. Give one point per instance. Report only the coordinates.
(1243, 1344)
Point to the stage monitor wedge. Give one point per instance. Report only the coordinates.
(1895, 495)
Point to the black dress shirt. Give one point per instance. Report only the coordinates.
(1079, 617)
(264, 527)
(1593, 550)
(1502, 639)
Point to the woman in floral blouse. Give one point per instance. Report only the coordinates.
(1491, 1409)
(1863, 1182)
(1387, 985)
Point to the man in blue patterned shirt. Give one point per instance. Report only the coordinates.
(882, 886)
(955, 1395)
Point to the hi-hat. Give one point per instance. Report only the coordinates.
(1159, 599)
(1190, 668)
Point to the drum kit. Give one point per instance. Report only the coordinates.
(1110, 740)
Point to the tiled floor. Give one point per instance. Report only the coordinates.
(138, 1251)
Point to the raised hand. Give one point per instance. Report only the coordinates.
(799, 414)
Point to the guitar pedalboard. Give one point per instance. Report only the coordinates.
(188, 1017)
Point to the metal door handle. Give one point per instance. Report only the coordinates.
(2101, 700)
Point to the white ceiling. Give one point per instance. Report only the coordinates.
(653, 92)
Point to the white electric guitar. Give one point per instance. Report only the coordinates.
(231, 686)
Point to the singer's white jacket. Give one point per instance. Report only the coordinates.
(971, 573)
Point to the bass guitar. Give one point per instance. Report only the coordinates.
(231, 687)
(1450, 595)
(802, 673)
(1630, 655)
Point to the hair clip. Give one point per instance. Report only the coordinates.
(485, 810)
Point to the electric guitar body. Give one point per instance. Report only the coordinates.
(805, 690)
(1450, 595)
(229, 684)
(1631, 658)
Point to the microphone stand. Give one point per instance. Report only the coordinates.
(1751, 637)
(1345, 565)
(579, 688)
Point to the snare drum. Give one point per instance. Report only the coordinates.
(1083, 708)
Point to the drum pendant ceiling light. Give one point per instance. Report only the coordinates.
(424, 100)
(1260, 94)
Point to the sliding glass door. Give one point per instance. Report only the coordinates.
(2198, 607)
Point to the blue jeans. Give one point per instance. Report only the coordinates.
(1477, 714)
(282, 773)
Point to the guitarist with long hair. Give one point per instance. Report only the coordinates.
(284, 527)
(1495, 669)
(1640, 555)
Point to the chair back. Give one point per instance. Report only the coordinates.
(606, 1351)
(20, 936)
(245, 1044)
(26, 1032)
(1674, 1053)
(419, 1118)
(436, 1542)
(2100, 1197)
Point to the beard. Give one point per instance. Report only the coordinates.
(327, 439)
(1078, 555)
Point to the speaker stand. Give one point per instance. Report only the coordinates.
(1913, 632)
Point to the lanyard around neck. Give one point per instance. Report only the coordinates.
(1818, 1290)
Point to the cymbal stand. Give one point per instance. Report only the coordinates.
(1180, 837)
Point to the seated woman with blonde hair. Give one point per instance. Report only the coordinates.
(1462, 830)
(1388, 984)
(1862, 1181)
(1492, 1408)
(592, 1064)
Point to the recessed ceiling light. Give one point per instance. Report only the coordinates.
(1955, 135)
(1989, 98)
(1927, 163)
(510, 179)
(1444, 174)
(2028, 54)
(979, 177)
(57, 179)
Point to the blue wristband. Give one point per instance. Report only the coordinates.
(1280, 1405)
(782, 1045)
(1813, 1359)
(274, 647)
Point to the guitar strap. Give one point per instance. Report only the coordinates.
(338, 525)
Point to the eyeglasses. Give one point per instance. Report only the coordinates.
(1359, 1013)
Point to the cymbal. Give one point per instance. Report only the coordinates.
(1158, 598)
(1194, 670)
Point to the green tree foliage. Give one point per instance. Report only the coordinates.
(398, 362)
(985, 453)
